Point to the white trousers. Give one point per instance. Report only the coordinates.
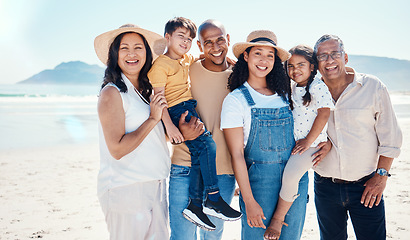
(137, 212)
(296, 166)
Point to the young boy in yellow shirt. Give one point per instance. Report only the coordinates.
(169, 76)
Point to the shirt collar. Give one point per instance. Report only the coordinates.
(182, 61)
(127, 82)
(358, 79)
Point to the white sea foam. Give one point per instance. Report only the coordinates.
(50, 99)
(400, 98)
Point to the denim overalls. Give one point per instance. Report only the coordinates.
(267, 151)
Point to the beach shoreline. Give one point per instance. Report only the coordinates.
(48, 187)
(50, 193)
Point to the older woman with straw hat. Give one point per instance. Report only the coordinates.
(134, 158)
(257, 123)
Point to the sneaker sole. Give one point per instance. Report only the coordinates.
(193, 220)
(213, 213)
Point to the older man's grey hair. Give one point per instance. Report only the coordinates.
(328, 37)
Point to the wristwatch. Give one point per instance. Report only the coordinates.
(383, 172)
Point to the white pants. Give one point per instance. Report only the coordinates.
(137, 212)
(296, 166)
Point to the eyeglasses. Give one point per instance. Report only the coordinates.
(333, 55)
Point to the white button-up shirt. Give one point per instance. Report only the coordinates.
(362, 127)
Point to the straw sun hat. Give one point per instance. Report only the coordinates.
(260, 38)
(103, 42)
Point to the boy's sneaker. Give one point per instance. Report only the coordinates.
(196, 215)
(221, 209)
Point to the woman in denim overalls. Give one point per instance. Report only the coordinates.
(257, 122)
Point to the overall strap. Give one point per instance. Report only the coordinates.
(247, 95)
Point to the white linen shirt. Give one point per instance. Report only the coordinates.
(236, 111)
(304, 116)
(362, 127)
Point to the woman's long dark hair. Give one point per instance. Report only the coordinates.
(113, 71)
(276, 80)
(306, 52)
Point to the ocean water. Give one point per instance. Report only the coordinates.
(401, 104)
(49, 115)
(38, 90)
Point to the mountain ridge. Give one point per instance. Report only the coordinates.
(68, 73)
(392, 72)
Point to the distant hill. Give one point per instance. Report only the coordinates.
(394, 73)
(75, 72)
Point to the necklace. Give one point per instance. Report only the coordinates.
(140, 95)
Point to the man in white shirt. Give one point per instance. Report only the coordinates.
(366, 138)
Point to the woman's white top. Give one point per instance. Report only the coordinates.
(149, 161)
(304, 116)
(236, 111)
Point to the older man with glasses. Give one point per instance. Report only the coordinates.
(365, 139)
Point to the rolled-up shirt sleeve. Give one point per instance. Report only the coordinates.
(387, 128)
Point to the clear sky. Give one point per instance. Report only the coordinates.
(40, 34)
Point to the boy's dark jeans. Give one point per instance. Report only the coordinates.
(203, 154)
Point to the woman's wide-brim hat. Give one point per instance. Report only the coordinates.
(261, 38)
(103, 41)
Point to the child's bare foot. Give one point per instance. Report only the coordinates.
(274, 229)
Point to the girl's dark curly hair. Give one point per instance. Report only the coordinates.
(276, 80)
(306, 52)
(113, 71)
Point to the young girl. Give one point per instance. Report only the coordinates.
(258, 126)
(312, 102)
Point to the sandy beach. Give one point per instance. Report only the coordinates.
(49, 191)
